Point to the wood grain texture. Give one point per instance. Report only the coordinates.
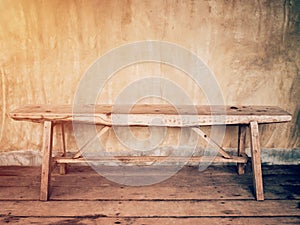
(217, 176)
(165, 221)
(144, 115)
(151, 159)
(150, 208)
(256, 161)
(47, 159)
(215, 183)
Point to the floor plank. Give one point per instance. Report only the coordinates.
(148, 221)
(148, 193)
(215, 170)
(150, 208)
(215, 196)
(183, 179)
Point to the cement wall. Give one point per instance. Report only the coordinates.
(252, 47)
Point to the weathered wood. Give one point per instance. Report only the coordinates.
(151, 159)
(69, 190)
(214, 199)
(143, 114)
(116, 193)
(84, 147)
(46, 164)
(184, 178)
(170, 116)
(212, 142)
(62, 146)
(162, 208)
(256, 161)
(166, 221)
(214, 170)
(241, 148)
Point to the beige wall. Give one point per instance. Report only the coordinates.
(46, 46)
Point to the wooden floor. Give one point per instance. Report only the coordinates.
(216, 196)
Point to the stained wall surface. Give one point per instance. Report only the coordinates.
(253, 48)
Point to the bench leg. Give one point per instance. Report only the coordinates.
(256, 161)
(46, 163)
(241, 148)
(62, 147)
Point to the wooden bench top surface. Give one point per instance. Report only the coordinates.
(143, 114)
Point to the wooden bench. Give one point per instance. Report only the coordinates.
(143, 115)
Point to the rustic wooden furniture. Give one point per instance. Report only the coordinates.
(143, 115)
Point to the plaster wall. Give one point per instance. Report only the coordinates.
(253, 48)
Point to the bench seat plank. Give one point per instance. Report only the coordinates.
(147, 114)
